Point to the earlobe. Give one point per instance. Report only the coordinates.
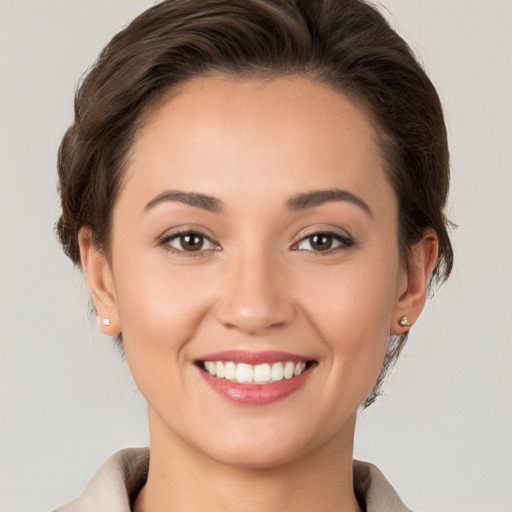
(420, 266)
(101, 284)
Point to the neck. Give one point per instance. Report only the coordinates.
(181, 479)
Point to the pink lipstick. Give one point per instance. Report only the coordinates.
(254, 378)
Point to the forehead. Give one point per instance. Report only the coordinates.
(229, 136)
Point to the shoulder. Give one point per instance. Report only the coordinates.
(115, 484)
(374, 491)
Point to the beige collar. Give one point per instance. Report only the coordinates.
(119, 479)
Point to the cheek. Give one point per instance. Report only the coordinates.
(358, 296)
(351, 307)
(159, 314)
(159, 308)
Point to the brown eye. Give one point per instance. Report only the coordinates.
(320, 242)
(190, 242)
(323, 242)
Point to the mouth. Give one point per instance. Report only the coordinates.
(249, 378)
(260, 374)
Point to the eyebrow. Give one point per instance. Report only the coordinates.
(208, 203)
(319, 197)
(298, 202)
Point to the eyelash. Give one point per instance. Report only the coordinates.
(345, 242)
(168, 238)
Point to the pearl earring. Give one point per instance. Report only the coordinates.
(404, 322)
(106, 321)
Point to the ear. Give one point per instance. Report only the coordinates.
(419, 269)
(101, 284)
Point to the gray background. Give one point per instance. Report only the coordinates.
(442, 434)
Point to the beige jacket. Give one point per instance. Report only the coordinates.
(118, 481)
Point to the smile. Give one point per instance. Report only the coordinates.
(243, 373)
(255, 378)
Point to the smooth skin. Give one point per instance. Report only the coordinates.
(251, 267)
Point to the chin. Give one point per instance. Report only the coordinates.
(255, 456)
(267, 447)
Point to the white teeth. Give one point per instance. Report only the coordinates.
(244, 373)
(211, 367)
(299, 368)
(219, 367)
(277, 371)
(289, 368)
(254, 374)
(230, 370)
(262, 373)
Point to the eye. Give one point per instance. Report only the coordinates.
(190, 241)
(323, 242)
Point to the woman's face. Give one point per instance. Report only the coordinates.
(255, 227)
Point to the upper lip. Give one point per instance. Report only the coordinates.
(254, 358)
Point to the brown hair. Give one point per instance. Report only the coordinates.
(346, 44)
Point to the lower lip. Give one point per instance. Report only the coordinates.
(255, 394)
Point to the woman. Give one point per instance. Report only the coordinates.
(255, 192)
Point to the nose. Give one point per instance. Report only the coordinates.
(255, 295)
